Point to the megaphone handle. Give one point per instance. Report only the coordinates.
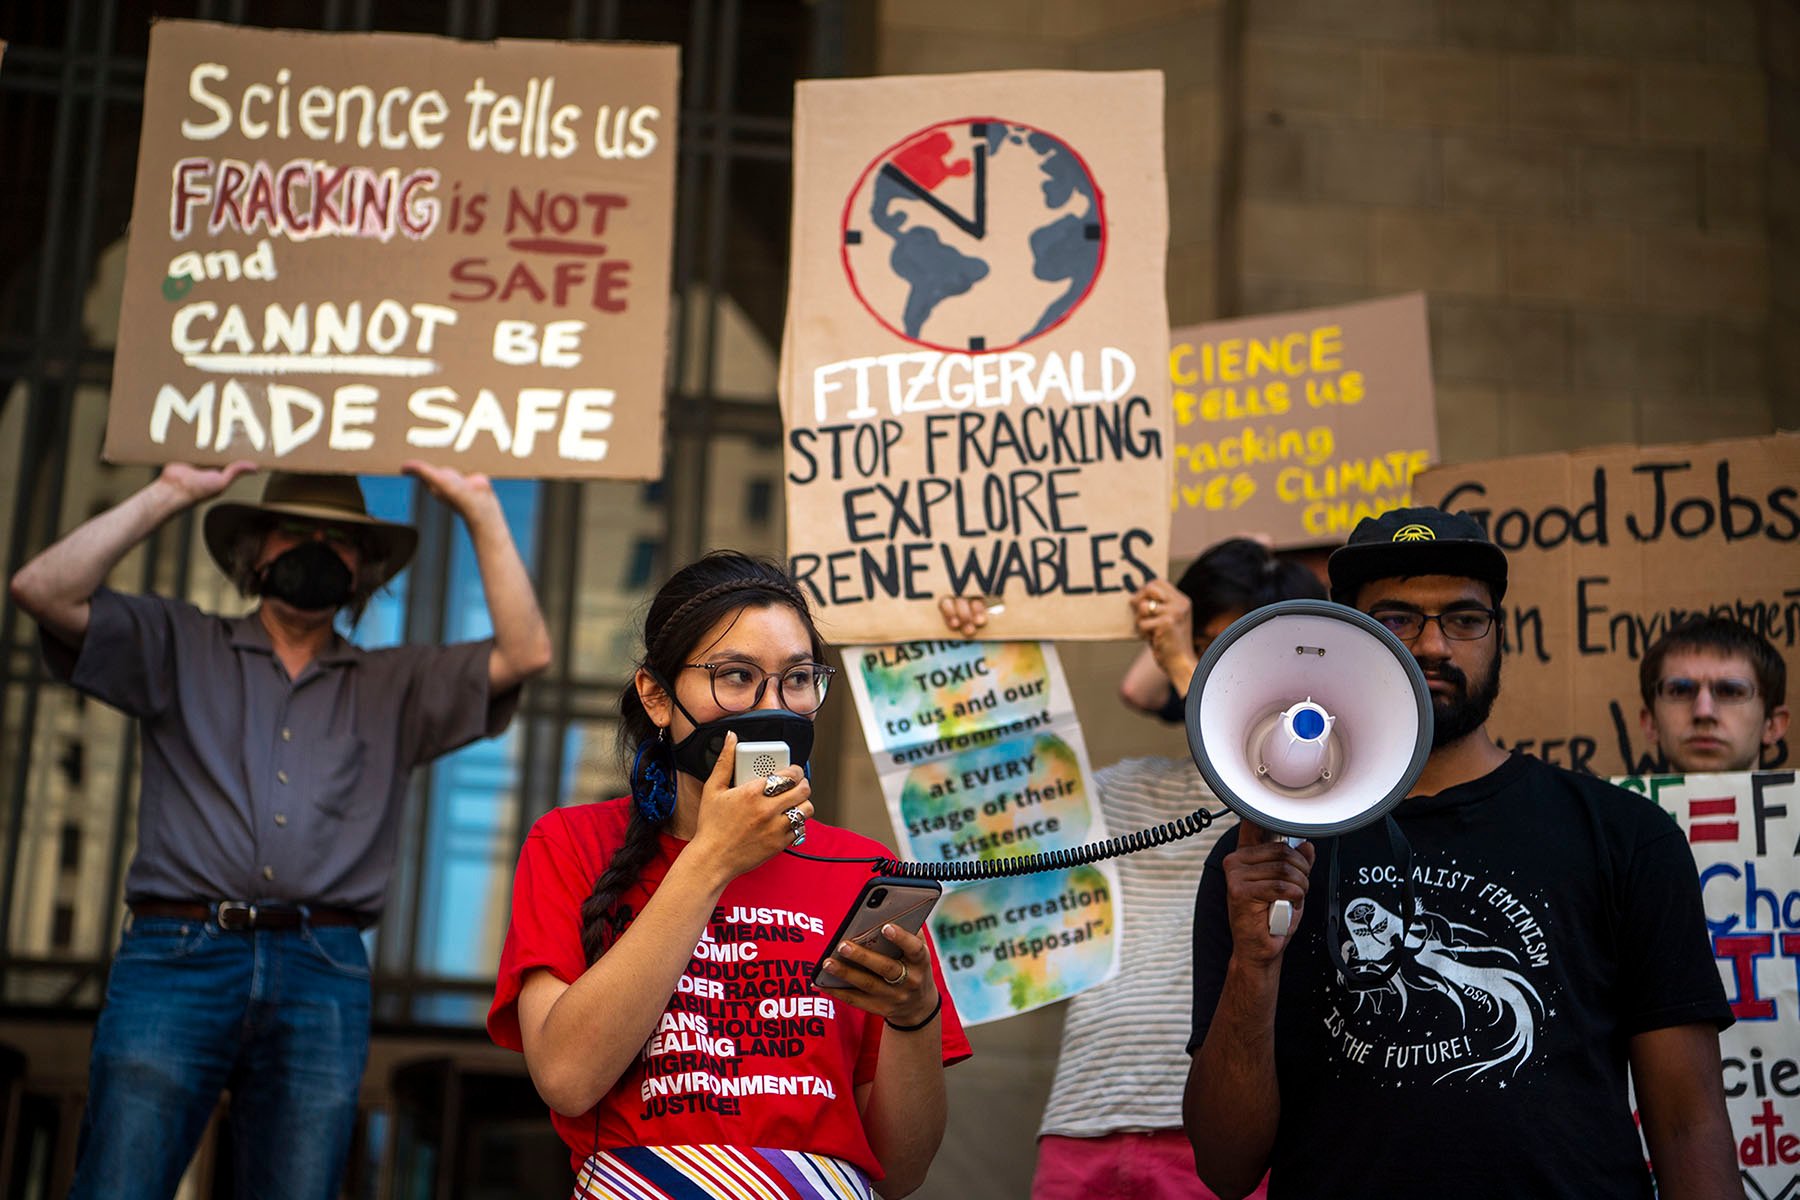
(1281, 913)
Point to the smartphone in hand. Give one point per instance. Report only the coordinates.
(884, 900)
(758, 760)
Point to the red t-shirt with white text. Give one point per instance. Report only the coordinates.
(748, 1052)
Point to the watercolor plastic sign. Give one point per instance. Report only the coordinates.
(981, 757)
(1743, 829)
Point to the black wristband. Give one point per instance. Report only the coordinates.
(929, 1018)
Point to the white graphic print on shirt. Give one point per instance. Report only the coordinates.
(745, 1018)
(1459, 993)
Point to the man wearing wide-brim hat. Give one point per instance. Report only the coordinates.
(275, 758)
(329, 506)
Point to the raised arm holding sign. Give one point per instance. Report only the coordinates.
(1113, 1122)
(276, 757)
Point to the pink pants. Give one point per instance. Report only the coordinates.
(1158, 1165)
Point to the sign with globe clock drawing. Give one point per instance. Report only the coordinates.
(917, 248)
(973, 385)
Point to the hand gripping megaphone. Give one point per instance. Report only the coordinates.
(1309, 719)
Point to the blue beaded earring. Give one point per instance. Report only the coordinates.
(652, 788)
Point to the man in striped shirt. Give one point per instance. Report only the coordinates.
(1112, 1127)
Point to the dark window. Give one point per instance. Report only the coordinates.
(68, 855)
(640, 567)
(759, 501)
(71, 762)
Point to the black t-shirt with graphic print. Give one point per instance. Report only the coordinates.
(1556, 917)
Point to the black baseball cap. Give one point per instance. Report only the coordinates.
(1416, 541)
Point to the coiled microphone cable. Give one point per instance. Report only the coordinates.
(1032, 864)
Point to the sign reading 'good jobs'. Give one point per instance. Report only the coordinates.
(973, 376)
(1608, 550)
(350, 250)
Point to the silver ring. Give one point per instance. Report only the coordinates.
(899, 979)
(796, 823)
(1150, 607)
(776, 784)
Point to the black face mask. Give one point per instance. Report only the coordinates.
(311, 577)
(698, 753)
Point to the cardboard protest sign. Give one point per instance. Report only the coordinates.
(981, 757)
(1744, 830)
(972, 376)
(1607, 550)
(1301, 424)
(349, 250)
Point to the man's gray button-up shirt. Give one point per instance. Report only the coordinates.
(261, 787)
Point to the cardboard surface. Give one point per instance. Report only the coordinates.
(1607, 549)
(349, 250)
(972, 365)
(1298, 425)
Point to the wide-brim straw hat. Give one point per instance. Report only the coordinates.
(334, 499)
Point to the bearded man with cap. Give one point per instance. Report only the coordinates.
(275, 758)
(1526, 937)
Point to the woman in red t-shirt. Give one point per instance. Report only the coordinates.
(657, 969)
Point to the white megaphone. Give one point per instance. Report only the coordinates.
(1309, 719)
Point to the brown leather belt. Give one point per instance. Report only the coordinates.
(244, 914)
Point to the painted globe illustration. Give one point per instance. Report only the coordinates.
(974, 235)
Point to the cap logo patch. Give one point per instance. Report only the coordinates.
(1415, 533)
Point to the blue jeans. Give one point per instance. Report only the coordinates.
(278, 1017)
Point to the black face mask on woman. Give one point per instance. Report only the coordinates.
(310, 576)
(698, 753)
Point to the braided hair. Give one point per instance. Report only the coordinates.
(694, 599)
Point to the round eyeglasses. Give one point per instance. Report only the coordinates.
(1459, 624)
(1678, 689)
(739, 686)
